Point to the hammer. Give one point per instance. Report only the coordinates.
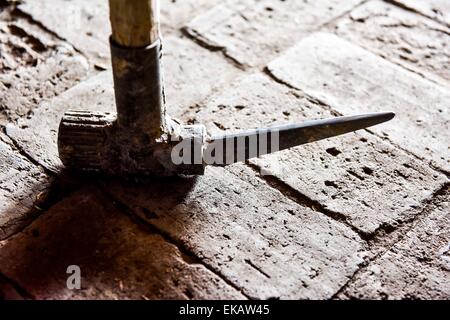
(142, 139)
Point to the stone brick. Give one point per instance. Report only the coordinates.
(35, 65)
(22, 188)
(415, 42)
(435, 9)
(352, 80)
(417, 267)
(251, 234)
(360, 177)
(253, 32)
(118, 258)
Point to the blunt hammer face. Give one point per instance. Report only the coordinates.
(94, 141)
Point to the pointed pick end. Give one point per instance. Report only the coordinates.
(292, 135)
(316, 130)
(364, 120)
(384, 116)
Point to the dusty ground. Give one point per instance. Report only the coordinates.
(365, 215)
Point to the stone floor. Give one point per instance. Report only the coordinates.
(365, 215)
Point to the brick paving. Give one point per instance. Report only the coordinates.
(364, 215)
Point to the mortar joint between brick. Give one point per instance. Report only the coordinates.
(406, 8)
(17, 147)
(405, 228)
(299, 198)
(336, 18)
(335, 113)
(125, 209)
(409, 224)
(197, 39)
(17, 287)
(19, 13)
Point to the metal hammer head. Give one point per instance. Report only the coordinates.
(94, 141)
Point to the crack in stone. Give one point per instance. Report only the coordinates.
(17, 147)
(197, 38)
(251, 264)
(410, 9)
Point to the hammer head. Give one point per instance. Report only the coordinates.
(94, 141)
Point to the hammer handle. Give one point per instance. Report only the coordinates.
(135, 23)
(135, 55)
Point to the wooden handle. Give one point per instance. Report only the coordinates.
(135, 23)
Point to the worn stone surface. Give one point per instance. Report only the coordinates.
(117, 257)
(252, 32)
(352, 80)
(23, 187)
(435, 9)
(251, 234)
(415, 42)
(88, 28)
(34, 65)
(191, 73)
(174, 14)
(366, 180)
(85, 24)
(418, 267)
